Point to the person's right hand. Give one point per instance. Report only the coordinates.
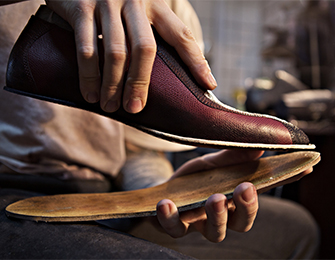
(219, 213)
(111, 18)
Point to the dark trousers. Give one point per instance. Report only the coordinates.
(21, 239)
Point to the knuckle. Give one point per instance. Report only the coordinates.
(82, 10)
(117, 56)
(86, 52)
(90, 79)
(85, 6)
(110, 89)
(201, 65)
(145, 46)
(219, 225)
(186, 35)
(137, 85)
(116, 53)
(157, 3)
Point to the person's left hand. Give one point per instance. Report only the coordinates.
(219, 213)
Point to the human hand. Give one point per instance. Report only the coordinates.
(111, 18)
(219, 213)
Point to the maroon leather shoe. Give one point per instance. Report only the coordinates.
(43, 65)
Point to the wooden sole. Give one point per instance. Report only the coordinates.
(187, 192)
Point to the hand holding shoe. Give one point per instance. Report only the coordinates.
(112, 18)
(177, 108)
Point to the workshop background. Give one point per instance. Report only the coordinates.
(277, 57)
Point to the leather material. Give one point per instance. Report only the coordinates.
(43, 64)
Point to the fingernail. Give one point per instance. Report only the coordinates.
(92, 97)
(248, 195)
(165, 209)
(220, 206)
(134, 105)
(111, 106)
(212, 80)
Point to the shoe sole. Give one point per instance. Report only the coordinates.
(175, 138)
(187, 192)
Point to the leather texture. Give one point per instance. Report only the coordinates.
(43, 64)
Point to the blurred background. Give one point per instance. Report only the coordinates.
(277, 57)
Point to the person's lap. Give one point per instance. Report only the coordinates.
(22, 239)
(282, 230)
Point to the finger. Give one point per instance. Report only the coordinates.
(246, 202)
(143, 52)
(168, 217)
(216, 160)
(231, 157)
(178, 35)
(216, 224)
(87, 54)
(115, 56)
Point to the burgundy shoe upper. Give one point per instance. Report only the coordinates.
(43, 62)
